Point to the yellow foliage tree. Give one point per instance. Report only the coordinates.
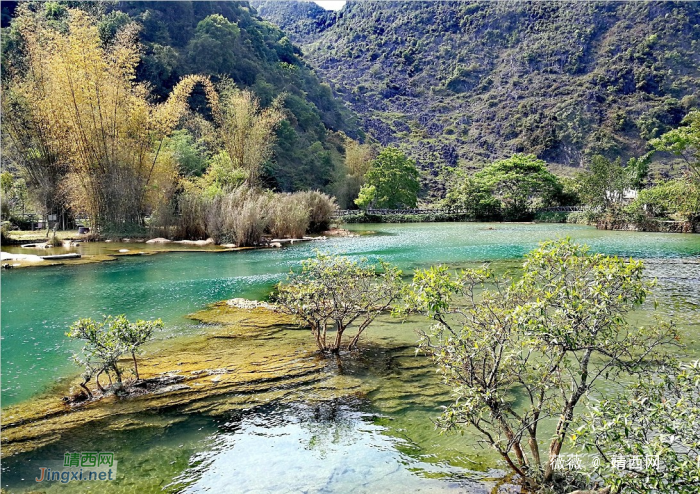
(246, 130)
(358, 161)
(358, 158)
(100, 121)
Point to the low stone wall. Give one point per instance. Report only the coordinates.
(650, 226)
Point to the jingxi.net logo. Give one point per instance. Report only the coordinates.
(80, 467)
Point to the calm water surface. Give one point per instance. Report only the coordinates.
(380, 441)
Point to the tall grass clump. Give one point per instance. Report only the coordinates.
(289, 215)
(244, 215)
(191, 222)
(320, 207)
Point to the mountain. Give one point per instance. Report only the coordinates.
(469, 82)
(229, 39)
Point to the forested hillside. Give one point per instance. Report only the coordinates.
(469, 82)
(229, 40)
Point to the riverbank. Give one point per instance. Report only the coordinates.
(14, 260)
(652, 225)
(75, 251)
(436, 217)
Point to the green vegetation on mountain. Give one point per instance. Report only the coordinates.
(471, 82)
(208, 97)
(228, 39)
(92, 139)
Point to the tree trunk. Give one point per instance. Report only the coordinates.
(534, 448)
(338, 337)
(97, 380)
(87, 390)
(136, 366)
(558, 441)
(118, 374)
(511, 438)
(353, 342)
(360, 330)
(517, 470)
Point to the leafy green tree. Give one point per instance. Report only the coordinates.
(637, 171)
(110, 24)
(512, 187)
(521, 184)
(366, 196)
(221, 176)
(6, 182)
(159, 65)
(468, 194)
(675, 198)
(517, 353)
(570, 193)
(604, 184)
(101, 351)
(684, 142)
(335, 293)
(189, 154)
(394, 179)
(657, 421)
(211, 49)
(134, 335)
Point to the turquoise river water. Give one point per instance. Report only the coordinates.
(381, 441)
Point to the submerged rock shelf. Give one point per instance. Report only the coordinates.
(225, 368)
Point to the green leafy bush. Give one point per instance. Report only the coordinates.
(679, 198)
(516, 352)
(656, 425)
(511, 189)
(390, 183)
(106, 342)
(588, 217)
(334, 293)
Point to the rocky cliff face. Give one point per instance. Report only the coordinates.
(467, 82)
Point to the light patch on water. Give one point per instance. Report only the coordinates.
(331, 447)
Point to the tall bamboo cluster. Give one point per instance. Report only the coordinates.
(245, 129)
(80, 122)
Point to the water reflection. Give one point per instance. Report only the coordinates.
(333, 446)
